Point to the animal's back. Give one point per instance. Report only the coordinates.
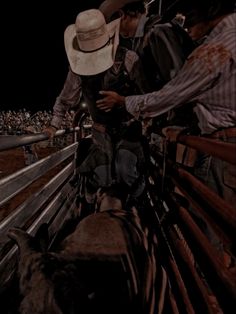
(103, 233)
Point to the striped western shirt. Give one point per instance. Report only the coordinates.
(207, 79)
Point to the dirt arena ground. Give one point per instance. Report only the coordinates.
(10, 162)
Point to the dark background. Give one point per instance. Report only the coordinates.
(33, 61)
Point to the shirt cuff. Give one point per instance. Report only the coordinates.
(133, 106)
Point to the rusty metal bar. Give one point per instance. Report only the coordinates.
(203, 244)
(206, 296)
(225, 234)
(216, 148)
(222, 208)
(185, 180)
(181, 286)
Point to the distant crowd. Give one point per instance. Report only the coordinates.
(16, 122)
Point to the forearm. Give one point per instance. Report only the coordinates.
(59, 110)
(69, 96)
(184, 88)
(192, 82)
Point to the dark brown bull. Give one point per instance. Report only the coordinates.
(104, 266)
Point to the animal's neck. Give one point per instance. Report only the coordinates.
(110, 203)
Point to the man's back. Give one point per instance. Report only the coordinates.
(163, 50)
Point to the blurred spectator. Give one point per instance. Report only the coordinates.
(30, 151)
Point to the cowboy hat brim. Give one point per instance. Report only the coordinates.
(109, 7)
(95, 62)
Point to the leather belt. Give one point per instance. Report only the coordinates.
(224, 133)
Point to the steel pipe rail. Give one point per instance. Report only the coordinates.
(216, 148)
(14, 141)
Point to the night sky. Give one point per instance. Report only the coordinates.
(33, 59)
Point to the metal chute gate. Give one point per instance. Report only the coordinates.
(199, 280)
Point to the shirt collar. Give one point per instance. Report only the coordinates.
(227, 22)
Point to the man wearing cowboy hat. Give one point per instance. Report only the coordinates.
(97, 62)
(163, 47)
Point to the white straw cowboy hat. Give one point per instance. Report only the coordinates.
(109, 7)
(90, 43)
